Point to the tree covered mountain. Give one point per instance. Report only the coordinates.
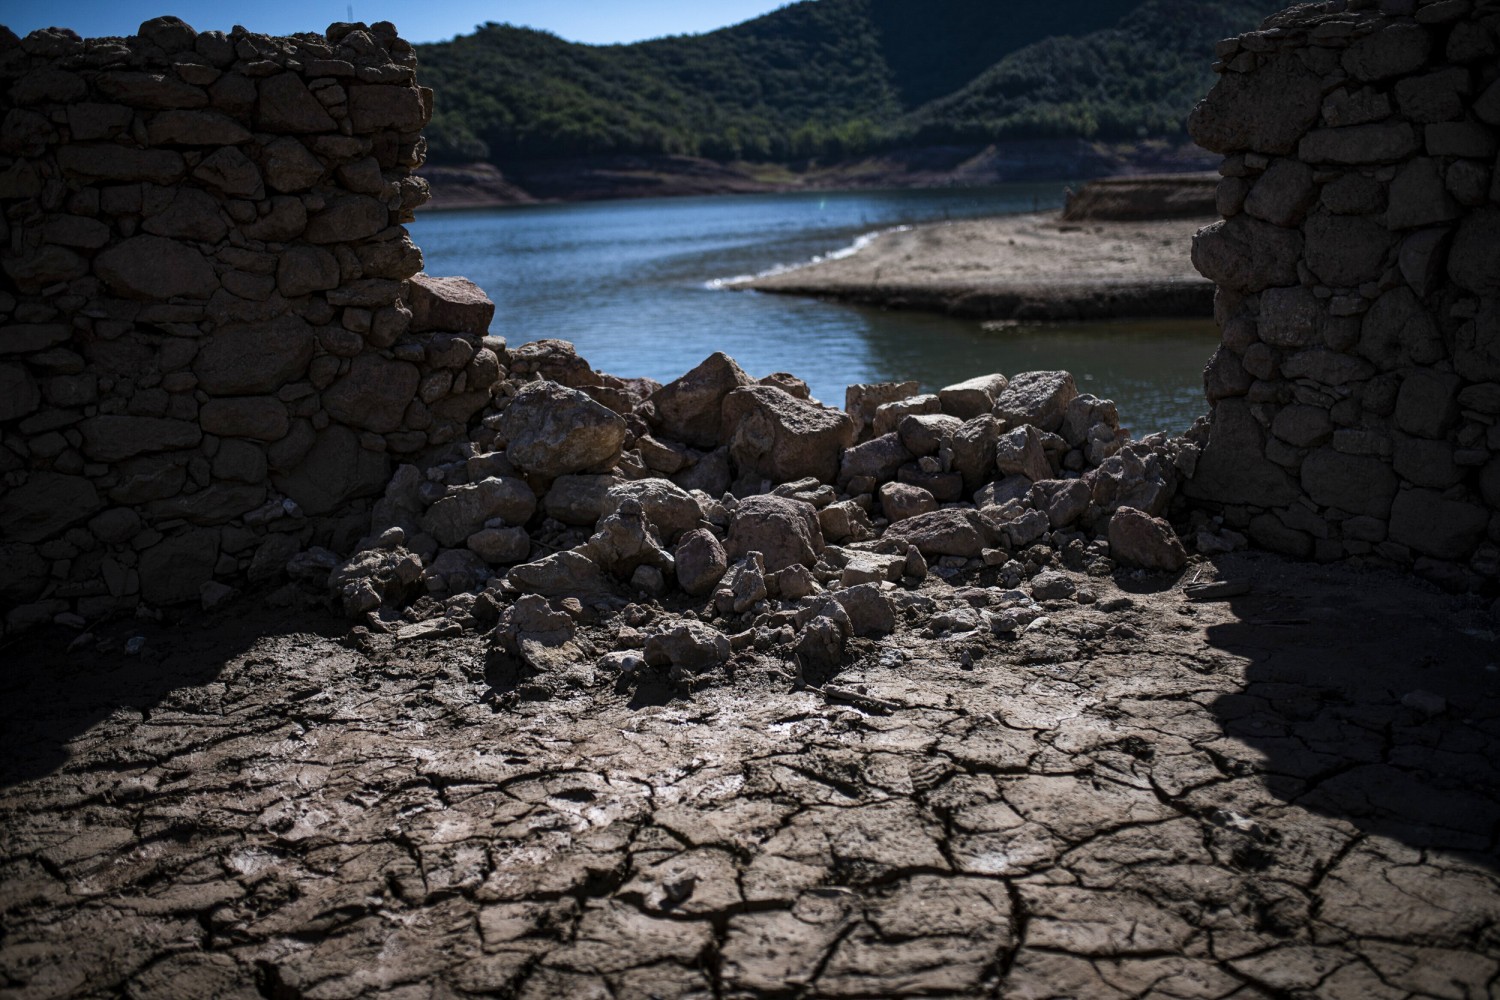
(833, 79)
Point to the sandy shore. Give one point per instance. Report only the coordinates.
(1032, 267)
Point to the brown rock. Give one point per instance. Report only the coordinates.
(154, 268)
(1037, 398)
(109, 438)
(374, 394)
(689, 409)
(900, 501)
(305, 269)
(286, 105)
(289, 166)
(1265, 111)
(954, 531)
(967, 400)
(347, 218)
(195, 128)
(551, 430)
(254, 358)
(1020, 453)
(783, 530)
(1138, 539)
(775, 435)
(261, 417)
(45, 504)
(192, 215)
(450, 304)
(334, 471)
(373, 108)
(700, 562)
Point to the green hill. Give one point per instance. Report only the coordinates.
(833, 79)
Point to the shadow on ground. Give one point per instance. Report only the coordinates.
(1389, 720)
(50, 694)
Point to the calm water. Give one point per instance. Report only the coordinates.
(631, 284)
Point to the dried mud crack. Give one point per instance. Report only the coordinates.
(1292, 793)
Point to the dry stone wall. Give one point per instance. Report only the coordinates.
(214, 341)
(1356, 395)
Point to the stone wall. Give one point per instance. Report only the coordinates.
(1356, 395)
(212, 345)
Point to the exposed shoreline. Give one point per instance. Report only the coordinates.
(1024, 267)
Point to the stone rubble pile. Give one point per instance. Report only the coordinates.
(1356, 395)
(687, 521)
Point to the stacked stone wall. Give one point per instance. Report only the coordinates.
(1356, 395)
(209, 356)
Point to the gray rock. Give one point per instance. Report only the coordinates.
(111, 437)
(1345, 250)
(624, 542)
(1050, 585)
(552, 431)
(580, 499)
(1394, 50)
(263, 418)
(845, 521)
(1474, 261)
(1358, 145)
(888, 416)
(48, 503)
(1282, 194)
(1084, 413)
(1232, 468)
(1427, 404)
(455, 571)
(1419, 197)
(786, 531)
(742, 586)
(305, 269)
(254, 358)
(1399, 331)
(970, 450)
(1289, 317)
(1138, 539)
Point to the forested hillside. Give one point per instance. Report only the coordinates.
(834, 79)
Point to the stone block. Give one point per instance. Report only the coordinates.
(1426, 521)
(1427, 405)
(1358, 484)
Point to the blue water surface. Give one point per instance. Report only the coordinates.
(634, 285)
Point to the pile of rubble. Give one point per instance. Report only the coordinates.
(682, 523)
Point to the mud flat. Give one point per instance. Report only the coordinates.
(1025, 267)
(1137, 796)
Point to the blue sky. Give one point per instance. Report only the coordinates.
(594, 21)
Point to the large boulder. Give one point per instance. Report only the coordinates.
(689, 409)
(954, 531)
(971, 450)
(877, 458)
(669, 508)
(551, 430)
(1037, 398)
(1138, 539)
(455, 304)
(701, 562)
(776, 435)
(862, 399)
(786, 531)
(967, 400)
(332, 472)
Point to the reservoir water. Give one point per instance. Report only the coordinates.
(635, 286)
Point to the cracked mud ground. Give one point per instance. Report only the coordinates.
(1291, 794)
